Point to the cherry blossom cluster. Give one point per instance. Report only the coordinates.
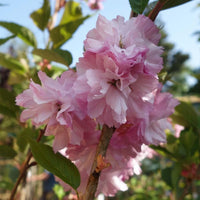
(116, 84)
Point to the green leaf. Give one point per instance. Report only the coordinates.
(56, 163)
(138, 6)
(189, 139)
(7, 152)
(168, 4)
(166, 176)
(4, 40)
(7, 98)
(41, 16)
(57, 55)
(173, 3)
(7, 111)
(59, 191)
(72, 12)
(60, 34)
(175, 175)
(20, 31)
(163, 151)
(185, 115)
(8, 62)
(24, 135)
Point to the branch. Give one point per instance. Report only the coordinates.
(153, 14)
(24, 167)
(92, 184)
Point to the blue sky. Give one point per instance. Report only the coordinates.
(180, 23)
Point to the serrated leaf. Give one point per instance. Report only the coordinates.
(4, 40)
(173, 3)
(41, 16)
(60, 34)
(72, 12)
(7, 152)
(20, 31)
(56, 163)
(57, 55)
(138, 6)
(8, 62)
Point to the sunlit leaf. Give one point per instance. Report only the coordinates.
(185, 115)
(4, 40)
(56, 163)
(7, 152)
(60, 34)
(8, 62)
(138, 6)
(20, 31)
(42, 15)
(57, 55)
(72, 12)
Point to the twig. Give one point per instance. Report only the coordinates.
(153, 14)
(24, 167)
(133, 14)
(92, 184)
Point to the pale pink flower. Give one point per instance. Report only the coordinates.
(52, 104)
(178, 128)
(110, 89)
(164, 104)
(132, 43)
(122, 154)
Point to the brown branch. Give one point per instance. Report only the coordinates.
(133, 14)
(92, 184)
(24, 167)
(153, 14)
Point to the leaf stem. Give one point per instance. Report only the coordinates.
(92, 184)
(153, 14)
(24, 167)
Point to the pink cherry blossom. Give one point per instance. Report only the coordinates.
(52, 104)
(132, 43)
(164, 104)
(178, 128)
(123, 163)
(110, 89)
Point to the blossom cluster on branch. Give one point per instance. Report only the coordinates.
(116, 84)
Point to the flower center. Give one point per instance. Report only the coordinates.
(58, 104)
(120, 43)
(115, 83)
